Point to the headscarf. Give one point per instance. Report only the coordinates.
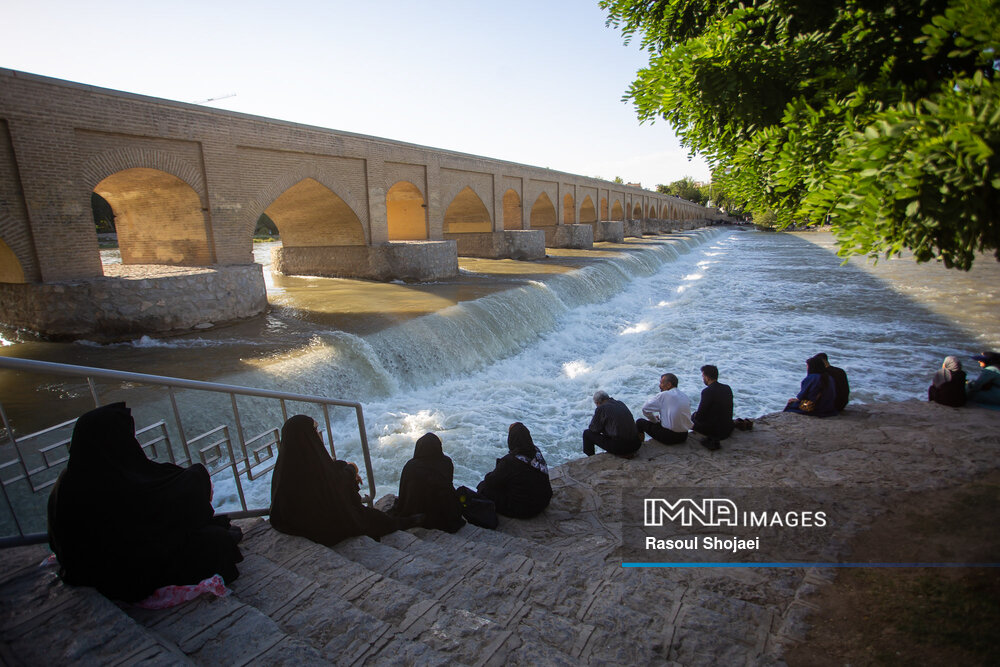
(523, 448)
(312, 495)
(815, 365)
(118, 521)
(943, 375)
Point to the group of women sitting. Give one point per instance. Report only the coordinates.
(128, 526)
(950, 387)
(314, 496)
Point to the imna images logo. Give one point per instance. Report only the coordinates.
(715, 512)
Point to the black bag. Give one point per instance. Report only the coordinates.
(477, 509)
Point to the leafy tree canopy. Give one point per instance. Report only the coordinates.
(879, 116)
(685, 188)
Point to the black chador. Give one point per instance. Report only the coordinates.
(426, 486)
(127, 525)
(314, 496)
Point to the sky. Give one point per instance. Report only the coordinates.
(538, 82)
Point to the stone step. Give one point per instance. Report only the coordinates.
(458, 606)
(43, 621)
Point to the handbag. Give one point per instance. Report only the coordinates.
(805, 405)
(477, 509)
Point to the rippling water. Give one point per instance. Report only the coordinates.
(512, 341)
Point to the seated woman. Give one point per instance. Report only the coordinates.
(314, 496)
(816, 394)
(519, 485)
(985, 389)
(948, 386)
(426, 487)
(127, 525)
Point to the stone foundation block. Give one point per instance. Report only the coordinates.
(412, 261)
(111, 308)
(570, 236)
(633, 228)
(612, 231)
(513, 244)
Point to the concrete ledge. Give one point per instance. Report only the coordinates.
(570, 236)
(514, 244)
(633, 228)
(416, 261)
(613, 231)
(147, 299)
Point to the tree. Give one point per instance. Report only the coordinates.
(881, 116)
(685, 188)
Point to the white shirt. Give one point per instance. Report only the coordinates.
(673, 407)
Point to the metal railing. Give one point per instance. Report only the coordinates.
(24, 461)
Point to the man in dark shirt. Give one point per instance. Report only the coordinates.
(612, 428)
(714, 418)
(842, 390)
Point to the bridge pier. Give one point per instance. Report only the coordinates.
(609, 230)
(524, 244)
(411, 261)
(135, 300)
(633, 228)
(570, 236)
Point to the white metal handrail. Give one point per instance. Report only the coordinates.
(252, 456)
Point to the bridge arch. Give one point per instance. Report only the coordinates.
(512, 215)
(636, 211)
(652, 211)
(406, 212)
(310, 214)
(543, 212)
(569, 209)
(11, 270)
(467, 213)
(588, 213)
(617, 212)
(159, 218)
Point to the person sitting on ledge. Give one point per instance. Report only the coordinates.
(668, 414)
(817, 392)
(426, 486)
(519, 485)
(314, 496)
(948, 386)
(714, 417)
(842, 389)
(612, 428)
(127, 525)
(985, 389)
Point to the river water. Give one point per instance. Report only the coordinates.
(531, 341)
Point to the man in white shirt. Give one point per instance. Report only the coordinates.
(667, 415)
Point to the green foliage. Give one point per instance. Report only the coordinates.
(265, 227)
(685, 188)
(879, 117)
(104, 216)
(618, 179)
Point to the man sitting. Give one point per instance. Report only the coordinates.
(612, 428)
(714, 418)
(668, 413)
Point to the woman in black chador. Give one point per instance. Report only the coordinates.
(426, 486)
(314, 496)
(127, 525)
(519, 485)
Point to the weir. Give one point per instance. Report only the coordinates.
(188, 185)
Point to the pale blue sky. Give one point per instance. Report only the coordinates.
(532, 81)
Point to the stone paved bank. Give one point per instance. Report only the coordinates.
(546, 591)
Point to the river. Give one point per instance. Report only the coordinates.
(531, 341)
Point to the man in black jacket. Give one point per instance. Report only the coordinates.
(612, 428)
(714, 418)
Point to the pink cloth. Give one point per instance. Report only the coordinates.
(171, 596)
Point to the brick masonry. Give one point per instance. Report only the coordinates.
(188, 184)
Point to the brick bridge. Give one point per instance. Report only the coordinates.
(188, 184)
